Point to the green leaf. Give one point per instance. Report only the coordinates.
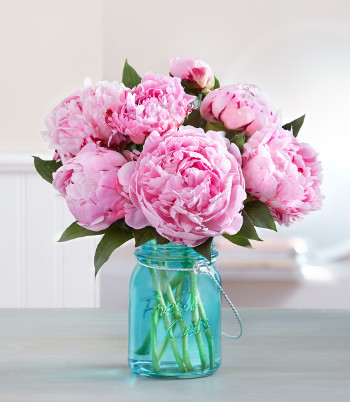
(191, 87)
(249, 198)
(295, 125)
(75, 231)
(248, 230)
(195, 119)
(159, 238)
(237, 138)
(238, 239)
(143, 235)
(204, 249)
(232, 133)
(130, 77)
(217, 84)
(46, 168)
(214, 126)
(114, 237)
(260, 215)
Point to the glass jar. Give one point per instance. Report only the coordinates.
(174, 315)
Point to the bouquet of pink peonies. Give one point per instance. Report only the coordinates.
(177, 158)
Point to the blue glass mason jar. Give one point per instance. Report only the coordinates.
(174, 315)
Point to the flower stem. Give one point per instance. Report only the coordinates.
(167, 322)
(207, 332)
(179, 319)
(196, 320)
(178, 295)
(144, 349)
(155, 360)
(179, 289)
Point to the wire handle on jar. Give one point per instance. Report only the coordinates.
(202, 268)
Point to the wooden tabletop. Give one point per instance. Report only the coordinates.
(81, 355)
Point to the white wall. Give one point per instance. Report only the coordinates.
(149, 33)
(47, 49)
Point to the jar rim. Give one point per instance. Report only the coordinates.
(170, 251)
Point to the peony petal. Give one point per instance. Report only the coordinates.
(135, 218)
(125, 173)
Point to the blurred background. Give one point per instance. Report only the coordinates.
(297, 51)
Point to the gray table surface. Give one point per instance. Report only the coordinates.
(81, 355)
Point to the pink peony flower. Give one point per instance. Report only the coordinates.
(283, 173)
(133, 216)
(81, 119)
(194, 73)
(131, 155)
(239, 107)
(68, 130)
(96, 104)
(157, 103)
(89, 183)
(188, 184)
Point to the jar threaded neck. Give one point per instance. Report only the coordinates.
(170, 252)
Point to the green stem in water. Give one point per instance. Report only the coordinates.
(144, 349)
(179, 289)
(155, 359)
(207, 332)
(178, 295)
(166, 320)
(179, 319)
(196, 320)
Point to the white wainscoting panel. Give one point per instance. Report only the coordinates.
(35, 270)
